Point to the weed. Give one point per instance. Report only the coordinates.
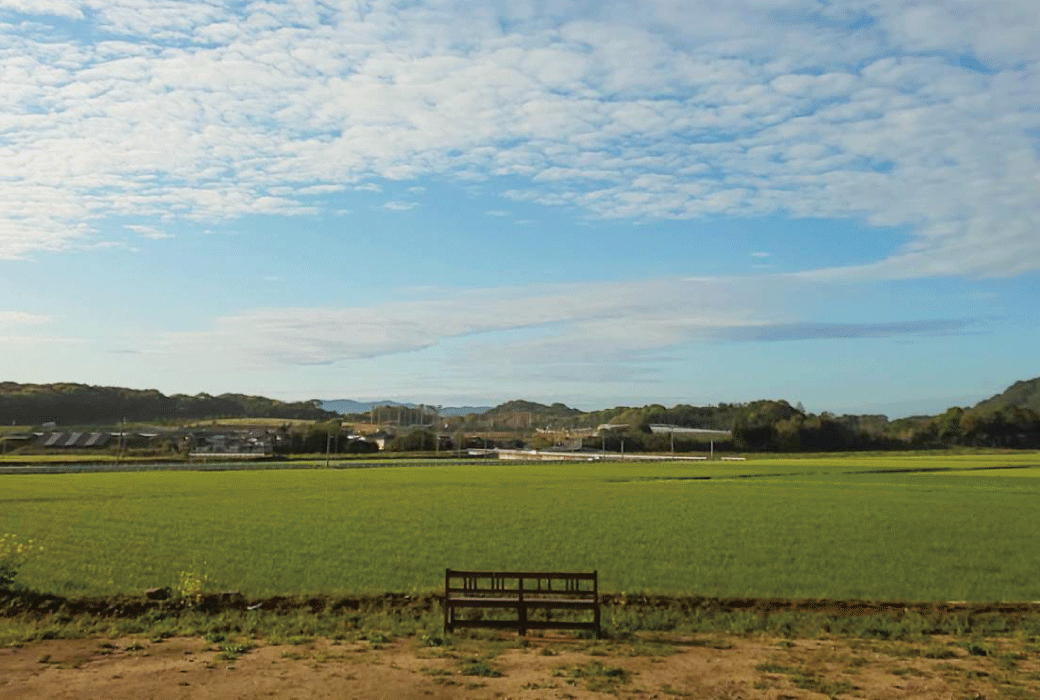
(818, 684)
(431, 640)
(976, 648)
(73, 663)
(433, 671)
(939, 651)
(773, 667)
(230, 651)
(478, 667)
(1006, 661)
(13, 554)
(192, 583)
(598, 678)
(531, 685)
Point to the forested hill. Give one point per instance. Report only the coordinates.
(76, 404)
(1024, 394)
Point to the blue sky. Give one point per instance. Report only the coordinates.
(600, 203)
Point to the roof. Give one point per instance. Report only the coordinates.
(73, 439)
(691, 432)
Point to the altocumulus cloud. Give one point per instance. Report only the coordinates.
(917, 115)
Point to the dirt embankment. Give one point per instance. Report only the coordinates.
(133, 606)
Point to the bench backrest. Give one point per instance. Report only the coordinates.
(525, 583)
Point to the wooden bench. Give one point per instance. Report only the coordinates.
(522, 591)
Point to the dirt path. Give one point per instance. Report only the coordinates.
(722, 667)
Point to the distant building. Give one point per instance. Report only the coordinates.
(692, 432)
(74, 440)
(380, 438)
(242, 443)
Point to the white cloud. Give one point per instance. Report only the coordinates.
(760, 254)
(149, 232)
(602, 322)
(400, 206)
(18, 318)
(57, 8)
(639, 109)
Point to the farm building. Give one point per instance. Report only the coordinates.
(74, 440)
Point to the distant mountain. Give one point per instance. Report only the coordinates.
(74, 404)
(351, 406)
(1024, 394)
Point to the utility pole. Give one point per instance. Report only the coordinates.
(328, 447)
(119, 452)
(437, 428)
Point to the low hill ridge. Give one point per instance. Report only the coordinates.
(69, 403)
(1021, 394)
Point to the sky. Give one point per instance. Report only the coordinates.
(609, 202)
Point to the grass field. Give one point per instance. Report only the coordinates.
(839, 527)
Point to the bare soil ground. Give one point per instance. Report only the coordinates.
(726, 668)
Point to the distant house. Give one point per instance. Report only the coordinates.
(229, 444)
(380, 438)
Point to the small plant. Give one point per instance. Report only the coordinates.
(939, 651)
(192, 584)
(375, 638)
(431, 640)
(598, 678)
(13, 554)
(978, 648)
(231, 651)
(476, 667)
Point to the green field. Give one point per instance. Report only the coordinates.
(822, 527)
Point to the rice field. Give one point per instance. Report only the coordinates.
(839, 527)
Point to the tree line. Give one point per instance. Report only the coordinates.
(80, 404)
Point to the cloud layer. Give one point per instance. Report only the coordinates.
(605, 324)
(918, 115)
